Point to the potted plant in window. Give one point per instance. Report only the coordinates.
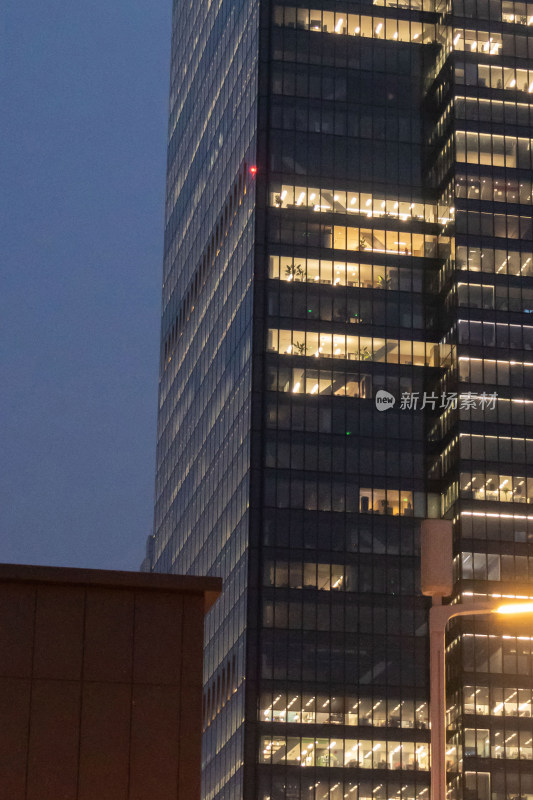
(294, 272)
(507, 494)
(300, 348)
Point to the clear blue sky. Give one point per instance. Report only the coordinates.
(84, 88)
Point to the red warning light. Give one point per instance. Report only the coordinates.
(253, 170)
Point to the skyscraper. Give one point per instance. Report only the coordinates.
(347, 276)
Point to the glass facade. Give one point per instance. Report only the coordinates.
(349, 222)
(203, 450)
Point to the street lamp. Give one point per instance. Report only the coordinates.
(437, 582)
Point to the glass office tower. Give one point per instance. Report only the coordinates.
(348, 266)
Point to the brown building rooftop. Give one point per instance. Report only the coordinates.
(101, 683)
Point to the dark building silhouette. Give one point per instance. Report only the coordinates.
(349, 224)
(101, 684)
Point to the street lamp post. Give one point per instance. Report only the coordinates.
(437, 582)
(439, 616)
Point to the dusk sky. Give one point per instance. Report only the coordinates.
(84, 110)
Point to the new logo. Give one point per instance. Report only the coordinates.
(384, 400)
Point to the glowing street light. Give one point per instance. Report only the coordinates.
(514, 608)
